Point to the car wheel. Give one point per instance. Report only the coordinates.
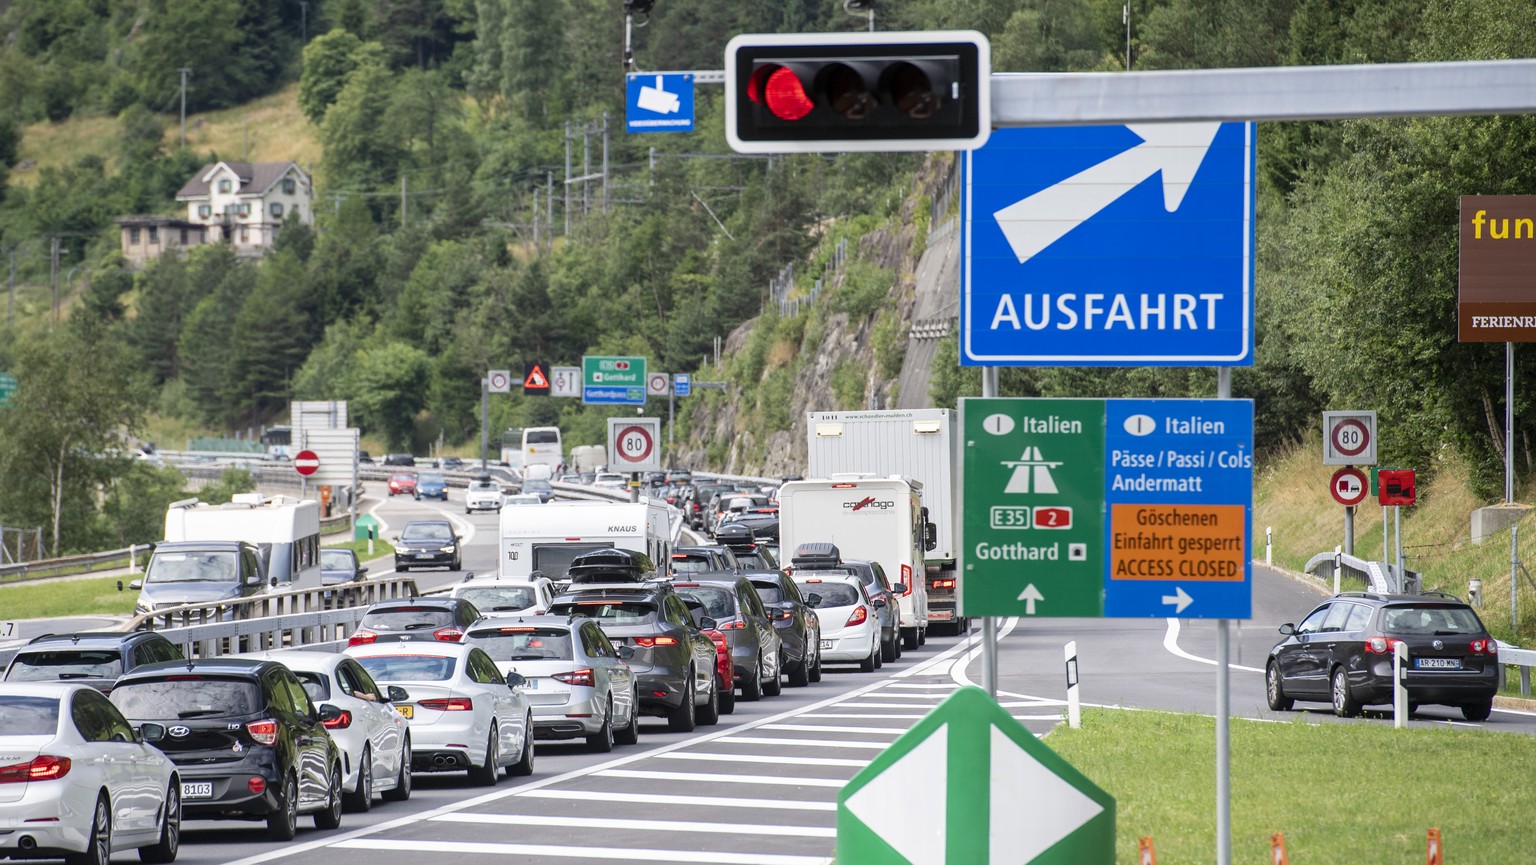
(1274, 692)
(752, 686)
(329, 817)
(486, 774)
(1344, 703)
(98, 844)
(867, 665)
(169, 844)
(909, 638)
(602, 741)
(816, 668)
(361, 799)
(773, 685)
(710, 712)
(458, 565)
(890, 649)
(524, 765)
(880, 660)
(402, 789)
(630, 735)
(682, 719)
(1478, 711)
(283, 823)
(727, 696)
(922, 636)
(800, 674)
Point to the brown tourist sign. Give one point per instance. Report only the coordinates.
(1498, 269)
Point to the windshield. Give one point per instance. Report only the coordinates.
(554, 560)
(1440, 621)
(407, 619)
(757, 560)
(540, 437)
(537, 486)
(484, 487)
(637, 612)
(28, 716)
(337, 560)
(831, 594)
(524, 644)
(691, 565)
(65, 664)
(184, 697)
(500, 599)
(431, 479)
(719, 602)
(409, 668)
(209, 567)
(428, 532)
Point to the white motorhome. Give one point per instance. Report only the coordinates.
(286, 530)
(546, 537)
(868, 518)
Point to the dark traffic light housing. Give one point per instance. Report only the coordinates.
(832, 92)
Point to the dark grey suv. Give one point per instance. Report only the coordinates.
(1341, 653)
(91, 658)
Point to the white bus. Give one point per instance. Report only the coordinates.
(285, 529)
(546, 537)
(541, 446)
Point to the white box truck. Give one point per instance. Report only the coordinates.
(546, 537)
(868, 518)
(914, 443)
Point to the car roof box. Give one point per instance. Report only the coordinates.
(610, 566)
(816, 555)
(734, 534)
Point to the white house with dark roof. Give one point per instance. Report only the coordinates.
(245, 203)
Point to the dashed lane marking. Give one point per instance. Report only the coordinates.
(720, 778)
(622, 854)
(657, 799)
(634, 825)
(764, 758)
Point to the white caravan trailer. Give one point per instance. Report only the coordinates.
(546, 537)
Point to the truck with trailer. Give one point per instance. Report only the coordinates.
(914, 443)
(868, 518)
(545, 537)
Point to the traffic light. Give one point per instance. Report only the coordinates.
(832, 92)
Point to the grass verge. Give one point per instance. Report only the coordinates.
(1341, 793)
(93, 597)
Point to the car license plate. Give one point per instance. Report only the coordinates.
(406, 711)
(423, 555)
(1439, 663)
(197, 790)
(826, 644)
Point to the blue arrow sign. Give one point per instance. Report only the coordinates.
(658, 103)
(1109, 246)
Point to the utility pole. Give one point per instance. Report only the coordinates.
(605, 162)
(567, 178)
(402, 201)
(303, 22)
(185, 71)
(53, 276)
(10, 307)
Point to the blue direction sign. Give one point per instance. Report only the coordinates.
(1120, 508)
(1109, 246)
(659, 103)
(682, 383)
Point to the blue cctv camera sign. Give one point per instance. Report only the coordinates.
(659, 102)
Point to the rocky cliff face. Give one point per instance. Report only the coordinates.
(729, 435)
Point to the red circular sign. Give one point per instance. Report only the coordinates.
(1350, 437)
(306, 462)
(1348, 486)
(634, 445)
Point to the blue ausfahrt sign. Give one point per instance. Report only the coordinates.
(1109, 246)
(658, 103)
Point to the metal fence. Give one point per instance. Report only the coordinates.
(20, 545)
(780, 287)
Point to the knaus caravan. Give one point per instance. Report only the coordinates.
(546, 537)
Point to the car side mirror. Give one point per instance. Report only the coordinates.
(624, 652)
(516, 680)
(119, 585)
(136, 585)
(254, 580)
(707, 624)
(879, 603)
(329, 713)
(398, 694)
(149, 731)
(362, 571)
(930, 536)
(273, 582)
(1288, 629)
(899, 588)
(813, 600)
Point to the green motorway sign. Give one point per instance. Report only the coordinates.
(7, 388)
(612, 380)
(969, 785)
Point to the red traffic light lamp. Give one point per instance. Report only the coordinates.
(816, 93)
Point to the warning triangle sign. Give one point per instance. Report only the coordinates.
(536, 380)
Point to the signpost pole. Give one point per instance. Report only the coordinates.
(485, 420)
(1223, 701)
(1397, 530)
(1509, 425)
(1349, 530)
(671, 415)
(989, 623)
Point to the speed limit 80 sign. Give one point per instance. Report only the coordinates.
(634, 444)
(1349, 438)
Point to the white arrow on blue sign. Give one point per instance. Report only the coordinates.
(658, 103)
(1109, 246)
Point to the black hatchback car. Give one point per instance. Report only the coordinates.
(423, 619)
(246, 740)
(91, 658)
(1341, 653)
(427, 544)
(799, 629)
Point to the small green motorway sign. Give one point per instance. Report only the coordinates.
(7, 388)
(613, 380)
(969, 785)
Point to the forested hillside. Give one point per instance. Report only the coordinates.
(442, 127)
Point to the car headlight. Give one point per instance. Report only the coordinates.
(447, 549)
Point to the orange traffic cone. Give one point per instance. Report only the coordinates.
(1277, 854)
(1147, 856)
(1435, 853)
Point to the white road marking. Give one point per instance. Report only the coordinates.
(947, 686)
(635, 825)
(861, 704)
(864, 715)
(957, 669)
(660, 799)
(825, 728)
(1171, 643)
(803, 743)
(885, 695)
(623, 854)
(764, 758)
(720, 778)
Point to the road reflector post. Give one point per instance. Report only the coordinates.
(1399, 685)
(1434, 853)
(1074, 701)
(1145, 854)
(1277, 854)
(1338, 567)
(1269, 545)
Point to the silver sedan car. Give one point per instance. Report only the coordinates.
(577, 681)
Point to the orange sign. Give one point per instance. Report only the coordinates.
(1177, 542)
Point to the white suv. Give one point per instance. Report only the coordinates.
(483, 495)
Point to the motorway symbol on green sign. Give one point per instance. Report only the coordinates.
(613, 380)
(1007, 799)
(7, 387)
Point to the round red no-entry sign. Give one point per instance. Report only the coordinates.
(306, 462)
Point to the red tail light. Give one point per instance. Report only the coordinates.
(858, 617)
(1484, 647)
(263, 731)
(648, 642)
(448, 704)
(362, 638)
(1381, 645)
(732, 625)
(448, 635)
(718, 639)
(943, 584)
(783, 615)
(43, 767)
(576, 677)
(906, 579)
(340, 722)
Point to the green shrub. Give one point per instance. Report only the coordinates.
(890, 343)
(865, 287)
(848, 385)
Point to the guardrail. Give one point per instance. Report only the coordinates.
(249, 612)
(1378, 576)
(89, 562)
(1525, 659)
